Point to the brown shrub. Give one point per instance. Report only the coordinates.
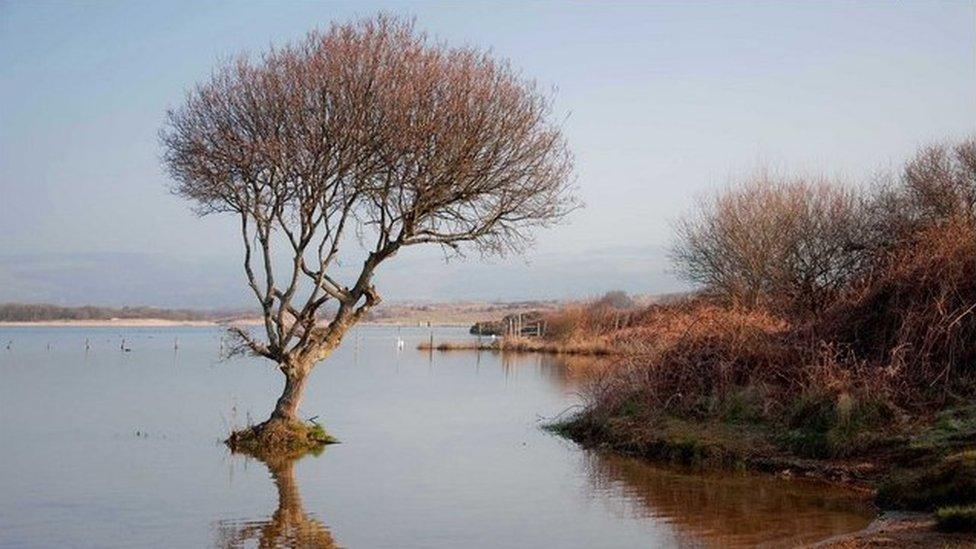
(904, 338)
(917, 318)
(586, 321)
(514, 344)
(681, 354)
(814, 311)
(937, 184)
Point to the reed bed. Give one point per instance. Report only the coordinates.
(521, 345)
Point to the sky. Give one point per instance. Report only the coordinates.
(660, 102)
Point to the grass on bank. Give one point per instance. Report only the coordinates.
(957, 518)
(949, 482)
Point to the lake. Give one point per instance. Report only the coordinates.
(105, 448)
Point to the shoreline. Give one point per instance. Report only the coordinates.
(899, 529)
(879, 475)
(166, 323)
(518, 345)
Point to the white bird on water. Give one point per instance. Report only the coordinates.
(399, 341)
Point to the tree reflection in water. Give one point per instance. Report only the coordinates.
(289, 526)
(728, 509)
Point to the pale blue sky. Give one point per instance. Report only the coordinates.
(663, 102)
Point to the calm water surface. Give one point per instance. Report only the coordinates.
(120, 449)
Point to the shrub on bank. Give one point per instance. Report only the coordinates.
(589, 320)
(886, 335)
(916, 319)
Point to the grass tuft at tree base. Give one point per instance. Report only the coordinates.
(275, 438)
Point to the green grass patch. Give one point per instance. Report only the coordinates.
(952, 428)
(956, 519)
(951, 482)
(824, 425)
(745, 406)
(316, 432)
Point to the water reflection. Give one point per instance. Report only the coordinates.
(564, 372)
(289, 526)
(730, 509)
(449, 455)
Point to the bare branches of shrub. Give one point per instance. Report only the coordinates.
(785, 244)
(937, 185)
(813, 290)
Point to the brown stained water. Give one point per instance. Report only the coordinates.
(107, 448)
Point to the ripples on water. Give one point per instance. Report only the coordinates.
(107, 448)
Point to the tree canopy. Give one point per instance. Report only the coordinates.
(368, 132)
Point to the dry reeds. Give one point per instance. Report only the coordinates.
(916, 320)
(521, 345)
(890, 318)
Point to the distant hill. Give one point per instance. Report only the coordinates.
(462, 313)
(42, 312)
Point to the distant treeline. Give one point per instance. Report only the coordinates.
(39, 312)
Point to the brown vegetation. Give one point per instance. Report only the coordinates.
(580, 328)
(521, 345)
(857, 343)
(916, 318)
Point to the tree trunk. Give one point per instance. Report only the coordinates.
(287, 407)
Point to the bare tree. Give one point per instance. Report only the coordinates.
(370, 135)
(786, 244)
(795, 244)
(937, 185)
